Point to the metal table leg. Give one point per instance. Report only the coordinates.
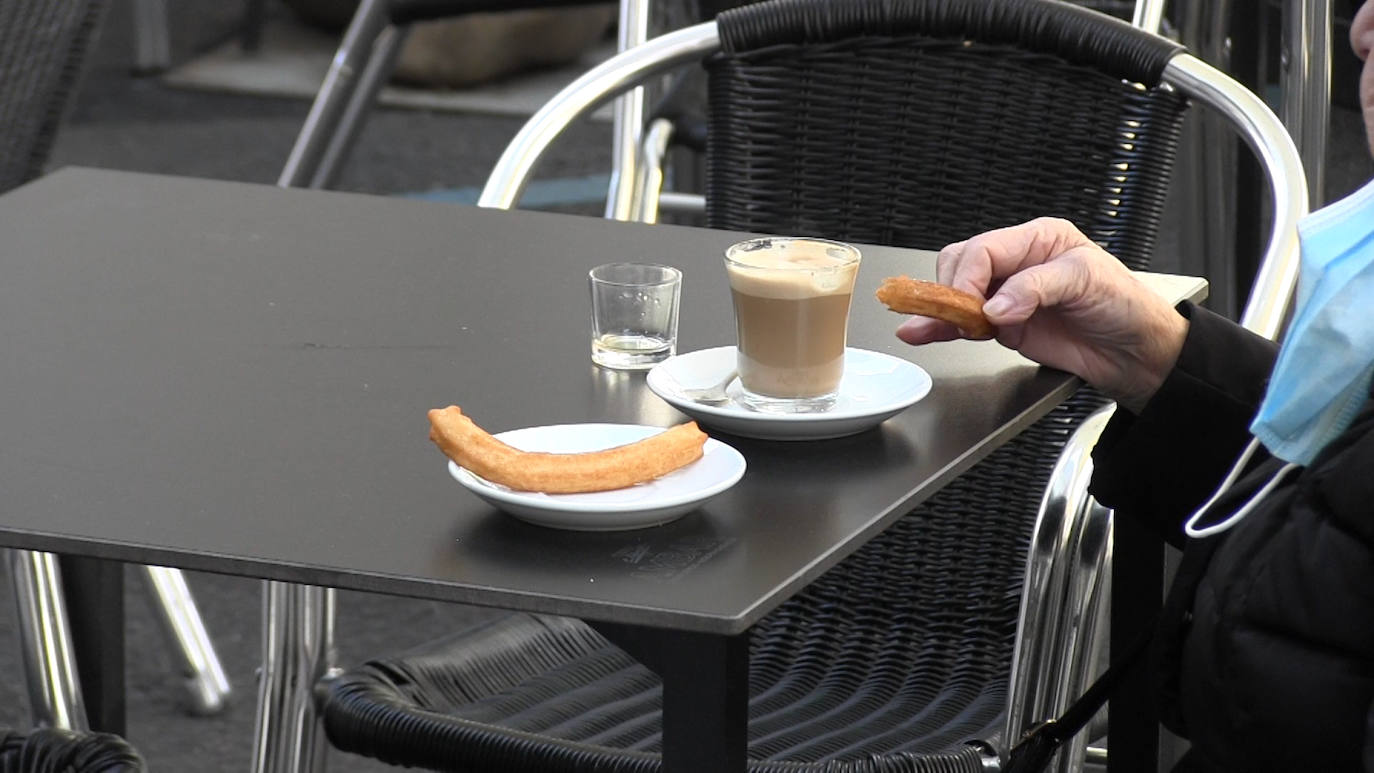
(298, 651)
(94, 589)
(705, 694)
(705, 703)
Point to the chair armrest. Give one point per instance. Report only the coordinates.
(1059, 632)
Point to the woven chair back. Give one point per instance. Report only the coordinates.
(919, 124)
(43, 46)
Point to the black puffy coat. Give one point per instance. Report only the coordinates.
(1265, 654)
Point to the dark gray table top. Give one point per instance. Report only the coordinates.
(234, 378)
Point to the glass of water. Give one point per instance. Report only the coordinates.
(634, 314)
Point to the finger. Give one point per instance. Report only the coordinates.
(1005, 251)
(924, 330)
(946, 260)
(1042, 286)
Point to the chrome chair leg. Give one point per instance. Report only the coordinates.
(45, 641)
(627, 115)
(175, 607)
(298, 652)
(1148, 15)
(1084, 631)
(335, 93)
(1060, 630)
(1306, 79)
(648, 184)
(375, 75)
(152, 43)
(1206, 167)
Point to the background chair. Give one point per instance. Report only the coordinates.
(43, 48)
(362, 65)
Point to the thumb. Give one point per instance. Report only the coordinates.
(1036, 287)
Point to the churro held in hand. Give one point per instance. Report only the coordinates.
(905, 295)
(477, 451)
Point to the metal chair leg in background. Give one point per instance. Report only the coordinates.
(1062, 630)
(297, 653)
(628, 115)
(175, 607)
(363, 61)
(45, 640)
(152, 42)
(1305, 78)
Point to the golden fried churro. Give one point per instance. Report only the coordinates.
(905, 295)
(480, 453)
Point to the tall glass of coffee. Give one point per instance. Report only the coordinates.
(791, 299)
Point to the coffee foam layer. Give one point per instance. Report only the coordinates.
(791, 271)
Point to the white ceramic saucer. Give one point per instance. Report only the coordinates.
(874, 388)
(648, 504)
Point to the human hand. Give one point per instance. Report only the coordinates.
(1063, 301)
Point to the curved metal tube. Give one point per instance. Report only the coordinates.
(648, 187)
(1149, 15)
(1038, 668)
(511, 173)
(1267, 307)
(1082, 637)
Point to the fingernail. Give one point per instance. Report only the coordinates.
(998, 305)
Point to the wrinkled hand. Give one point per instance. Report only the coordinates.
(1063, 301)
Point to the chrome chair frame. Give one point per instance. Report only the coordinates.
(1061, 632)
(298, 643)
(1069, 567)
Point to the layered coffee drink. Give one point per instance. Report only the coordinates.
(791, 299)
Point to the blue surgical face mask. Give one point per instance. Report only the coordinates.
(1326, 362)
(1324, 367)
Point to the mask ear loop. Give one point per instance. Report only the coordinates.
(1191, 527)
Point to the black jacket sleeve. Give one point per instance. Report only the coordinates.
(1161, 465)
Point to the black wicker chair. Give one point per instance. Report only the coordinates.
(903, 122)
(64, 751)
(42, 52)
(364, 61)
